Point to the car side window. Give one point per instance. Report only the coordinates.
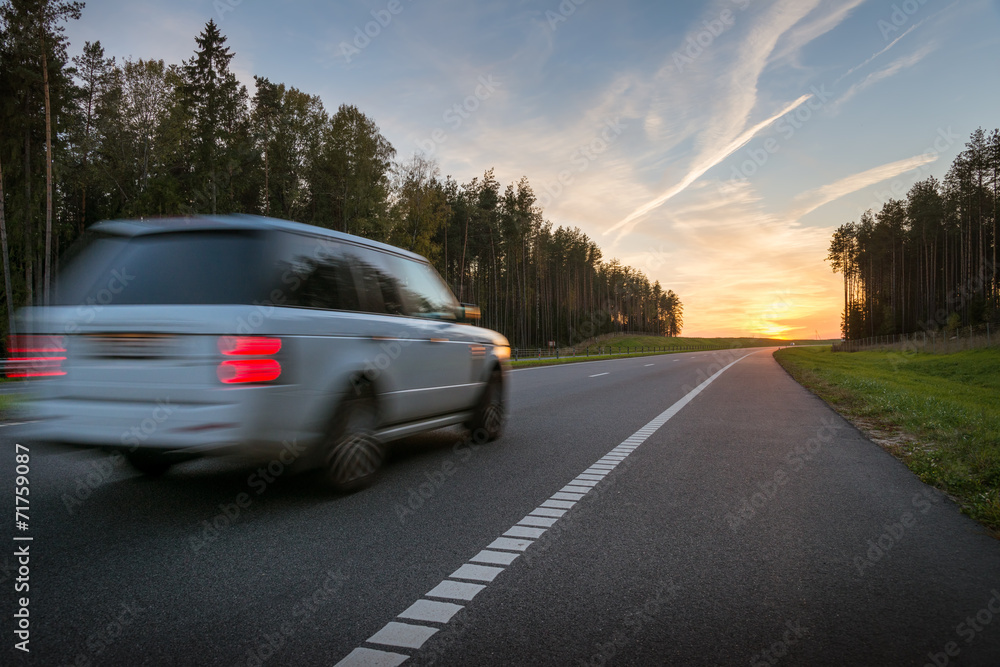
(423, 291)
(318, 275)
(377, 283)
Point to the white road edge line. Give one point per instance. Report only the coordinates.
(405, 635)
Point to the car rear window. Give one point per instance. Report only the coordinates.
(202, 267)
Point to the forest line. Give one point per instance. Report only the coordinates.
(928, 262)
(89, 138)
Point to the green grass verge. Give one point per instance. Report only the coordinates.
(591, 351)
(939, 414)
(10, 405)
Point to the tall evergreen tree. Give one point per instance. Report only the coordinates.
(217, 104)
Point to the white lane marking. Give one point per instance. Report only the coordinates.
(547, 511)
(559, 504)
(648, 365)
(599, 375)
(573, 488)
(455, 590)
(494, 553)
(402, 634)
(495, 557)
(525, 531)
(540, 521)
(367, 657)
(476, 572)
(562, 495)
(432, 611)
(508, 544)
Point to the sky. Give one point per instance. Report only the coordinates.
(713, 145)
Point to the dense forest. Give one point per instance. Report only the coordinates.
(87, 138)
(929, 262)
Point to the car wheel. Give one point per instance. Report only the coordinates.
(150, 464)
(353, 454)
(488, 419)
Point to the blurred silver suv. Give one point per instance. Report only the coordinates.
(169, 339)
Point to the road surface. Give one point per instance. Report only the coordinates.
(690, 509)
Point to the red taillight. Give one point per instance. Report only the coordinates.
(253, 366)
(36, 356)
(249, 346)
(240, 371)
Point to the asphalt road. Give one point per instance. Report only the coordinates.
(751, 526)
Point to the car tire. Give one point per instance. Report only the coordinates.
(491, 412)
(149, 463)
(353, 454)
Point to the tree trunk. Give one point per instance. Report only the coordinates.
(6, 261)
(48, 175)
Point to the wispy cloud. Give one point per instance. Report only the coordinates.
(892, 69)
(706, 163)
(733, 83)
(879, 53)
(812, 200)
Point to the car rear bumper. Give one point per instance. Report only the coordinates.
(167, 423)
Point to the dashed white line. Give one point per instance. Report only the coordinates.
(455, 590)
(508, 544)
(525, 531)
(495, 557)
(403, 635)
(547, 511)
(599, 375)
(431, 611)
(366, 657)
(540, 521)
(559, 504)
(502, 551)
(476, 572)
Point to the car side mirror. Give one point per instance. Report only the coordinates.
(470, 313)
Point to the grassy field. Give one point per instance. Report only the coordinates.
(10, 405)
(939, 414)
